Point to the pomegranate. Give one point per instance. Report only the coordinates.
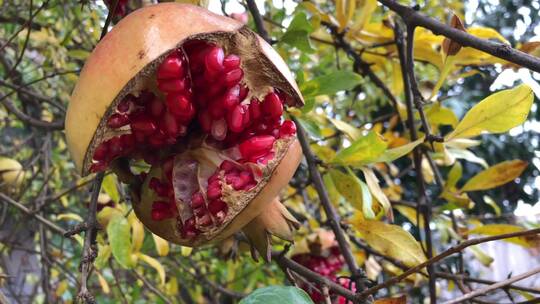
(186, 107)
(320, 253)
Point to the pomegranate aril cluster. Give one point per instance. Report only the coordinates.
(208, 209)
(329, 266)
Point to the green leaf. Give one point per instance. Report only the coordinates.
(392, 154)
(118, 231)
(332, 83)
(297, 34)
(363, 151)
(310, 126)
(355, 191)
(376, 191)
(495, 176)
(277, 295)
(109, 186)
(497, 113)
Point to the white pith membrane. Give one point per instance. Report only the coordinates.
(210, 141)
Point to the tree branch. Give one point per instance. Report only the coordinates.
(257, 18)
(483, 291)
(500, 50)
(445, 254)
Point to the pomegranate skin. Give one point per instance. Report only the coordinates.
(129, 50)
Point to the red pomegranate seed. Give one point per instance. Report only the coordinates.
(171, 67)
(243, 93)
(247, 177)
(143, 124)
(162, 210)
(216, 206)
(214, 59)
(213, 192)
(238, 183)
(227, 166)
(205, 220)
(115, 146)
(205, 121)
(231, 97)
(178, 104)
(246, 118)
(124, 105)
(144, 98)
(219, 129)
(255, 109)
(213, 179)
(156, 107)
(256, 145)
(128, 141)
(288, 128)
(197, 200)
(231, 62)
(117, 120)
(170, 124)
(264, 159)
(99, 166)
(171, 85)
(235, 119)
(101, 151)
(233, 77)
(216, 109)
(272, 105)
(199, 211)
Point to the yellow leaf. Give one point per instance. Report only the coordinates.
(69, 216)
(410, 214)
(172, 287)
(162, 246)
(376, 191)
(497, 229)
(61, 288)
(354, 191)
(397, 300)
(366, 10)
(185, 251)
(392, 241)
(137, 232)
(489, 201)
(363, 151)
(156, 265)
(495, 176)
(497, 113)
(340, 13)
(103, 283)
(447, 68)
(481, 256)
(353, 132)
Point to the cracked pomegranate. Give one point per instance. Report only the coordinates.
(198, 132)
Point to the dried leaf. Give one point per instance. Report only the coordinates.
(451, 47)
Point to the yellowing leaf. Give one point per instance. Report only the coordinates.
(354, 191)
(392, 241)
(497, 113)
(375, 189)
(172, 287)
(495, 176)
(109, 186)
(363, 151)
(156, 265)
(410, 213)
(481, 256)
(454, 175)
(69, 216)
(497, 229)
(397, 300)
(119, 237)
(395, 153)
(103, 283)
(366, 10)
(137, 232)
(162, 246)
(353, 132)
(489, 201)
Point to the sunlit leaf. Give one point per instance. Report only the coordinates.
(137, 232)
(353, 132)
(277, 295)
(297, 34)
(331, 83)
(480, 255)
(162, 246)
(489, 201)
(363, 151)
(391, 240)
(103, 283)
(109, 186)
(411, 214)
(497, 113)
(495, 176)
(454, 175)
(395, 153)
(498, 229)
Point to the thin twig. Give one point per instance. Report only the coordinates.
(259, 23)
(152, 288)
(483, 291)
